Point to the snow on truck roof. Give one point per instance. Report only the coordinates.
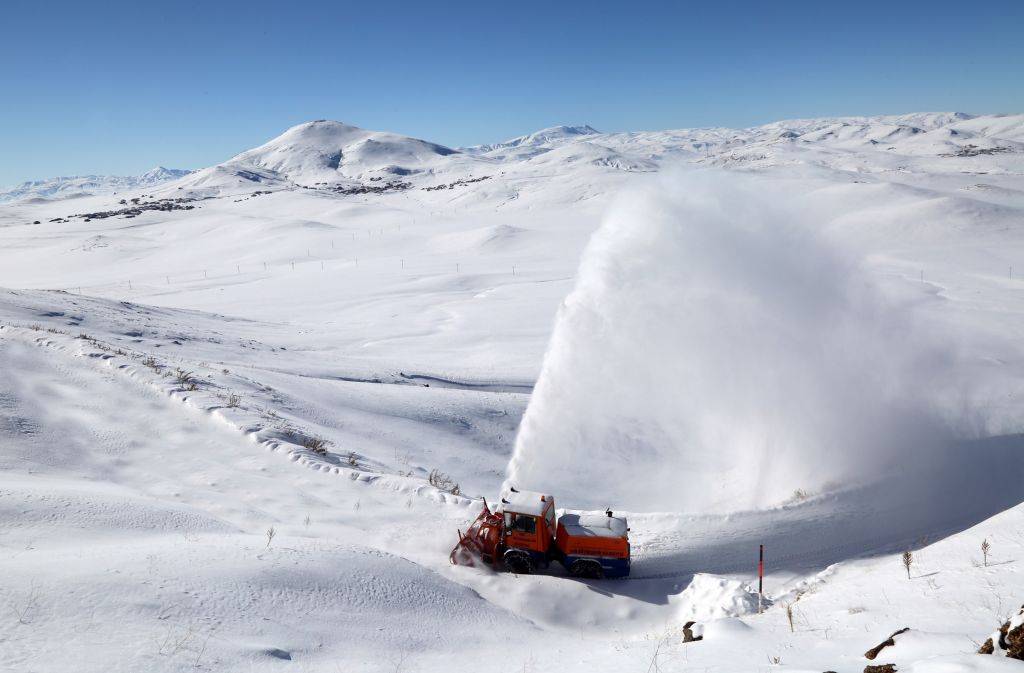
(525, 502)
(594, 525)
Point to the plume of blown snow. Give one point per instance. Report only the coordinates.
(717, 353)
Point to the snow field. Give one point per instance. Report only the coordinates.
(136, 511)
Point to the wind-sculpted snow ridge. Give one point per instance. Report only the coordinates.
(718, 354)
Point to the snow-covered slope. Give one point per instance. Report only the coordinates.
(79, 185)
(295, 339)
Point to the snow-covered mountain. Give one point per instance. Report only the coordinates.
(533, 143)
(226, 400)
(334, 154)
(78, 185)
(338, 157)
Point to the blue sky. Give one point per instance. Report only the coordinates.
(119, 87)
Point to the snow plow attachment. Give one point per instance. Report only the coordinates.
(480, 541)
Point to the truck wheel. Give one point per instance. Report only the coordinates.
(587, 569)
(518, 562)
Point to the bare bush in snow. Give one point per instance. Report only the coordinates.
(25, 609)
(443, 482)
(316, 445)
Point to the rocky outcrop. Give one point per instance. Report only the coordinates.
(1008, 641)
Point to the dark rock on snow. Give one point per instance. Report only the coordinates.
(889, 642)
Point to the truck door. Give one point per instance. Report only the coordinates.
(522, 531)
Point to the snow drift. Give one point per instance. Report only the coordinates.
(717, 353)
(709, 597)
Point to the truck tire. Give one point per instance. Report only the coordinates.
(518, 562)
(586, 568)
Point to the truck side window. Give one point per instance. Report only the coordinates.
(524, 524)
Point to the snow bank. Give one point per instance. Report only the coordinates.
(709, 597)
(718, 354)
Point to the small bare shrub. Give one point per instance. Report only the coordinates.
(35, 327)
(908, 560)
(316, 445)
(232, 401)
(985, 549)
(53, 330)
(270, 536)
(25, 609)
(443, 482)
(191, 386)
(151, 362)
(353, 459)
(182, 377)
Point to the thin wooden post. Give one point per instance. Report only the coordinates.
(760, 581)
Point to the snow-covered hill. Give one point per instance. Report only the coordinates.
(294, 339)
(533, 144)
(331, 154)
(80, 185)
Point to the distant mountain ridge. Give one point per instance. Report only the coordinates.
(68, 186)
(553, 134)
(339, 157)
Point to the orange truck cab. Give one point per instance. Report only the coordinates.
(529, 530)
(588, 545)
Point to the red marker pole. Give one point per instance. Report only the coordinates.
(760, 581)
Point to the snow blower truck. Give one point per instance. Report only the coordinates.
(522, 536)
